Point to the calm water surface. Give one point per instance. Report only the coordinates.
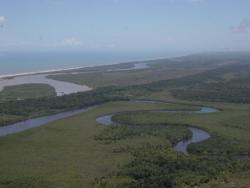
(61, 87)
(36, 122)
(198, 135)
(20, 62)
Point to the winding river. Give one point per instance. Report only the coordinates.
(198, 135)
(37, 122)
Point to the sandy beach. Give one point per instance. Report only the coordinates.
(61, 87)
(38, 72)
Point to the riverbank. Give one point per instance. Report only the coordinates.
(61, 88)
(198, 135)
(81, 158)
(31, 61)
(105, 120)
(101, 67)
(64, 87)
(10, 76)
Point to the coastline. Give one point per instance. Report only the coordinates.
(6, 76)
(61, 87)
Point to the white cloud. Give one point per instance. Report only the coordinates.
(71, 42)
(2, 21)
(60, 44)
(243, 26)
(196, 0)
(189, 1)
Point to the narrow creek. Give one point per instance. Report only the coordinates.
(198, 135)
(37, 122)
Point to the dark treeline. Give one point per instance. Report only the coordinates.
(156, 165)
(225, 84)
(159, 166)
(173, 133)
(239, 73)
(216, 92)
(13, 111)
(29, 108)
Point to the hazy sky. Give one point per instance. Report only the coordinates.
(125, 25)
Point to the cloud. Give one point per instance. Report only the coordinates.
(2, 21)
(196, 1)
(243, 27)
(71, 42)
(117, 1)
(61, 44)
(188, 1)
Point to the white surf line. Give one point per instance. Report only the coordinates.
(38, 72)
(61, 87)
(68, 69)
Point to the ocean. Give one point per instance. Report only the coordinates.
(23, 62)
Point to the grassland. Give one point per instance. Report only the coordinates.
(12, 111)
(229, 83)
(230, 126)
(228, 145)
(26, 91)
(65, 153)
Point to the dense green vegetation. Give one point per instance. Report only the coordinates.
(226, 84)
(6, 119)
(240, 179)
(229, 128)
(26, 91)
(220, 77)
(102, 68)
(65, 153)
(77, 152)
(104, 156)
(173, 134)
(162, 69)
(160, 166)
(214, 92)
(24, 109)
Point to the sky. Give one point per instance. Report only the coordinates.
(125, 25)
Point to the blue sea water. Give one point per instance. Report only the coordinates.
(22, 62)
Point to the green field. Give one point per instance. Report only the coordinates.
(78, 152)
(26, 91)
(159, 70)
(13, 111)
(64, 153)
